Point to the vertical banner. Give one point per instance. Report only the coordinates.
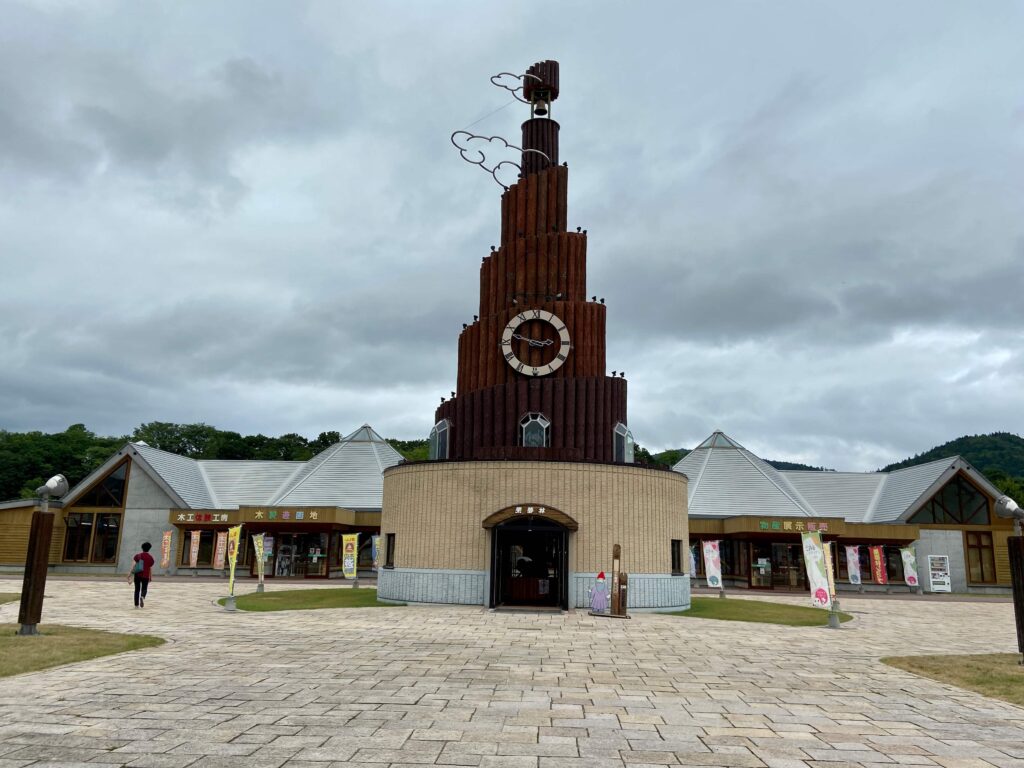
(817, 569)
(165, 550)
(878, 572)
(830, 571)
(853, 564)
(693, 562)
(193, 550)
(220, 550)
(712, 564)
(375, 549)
(909, 566)
(349, 552)
(234, 536)
(257, 546)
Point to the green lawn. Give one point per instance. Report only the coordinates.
(56, 645)
(731, 609)
(307, 599)
(998, 675)
(9, 597)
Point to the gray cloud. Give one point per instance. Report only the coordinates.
(806, 220)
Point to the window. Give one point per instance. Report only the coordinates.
(108, 492)
(623, 444)
(439, 440)
(104, 538)
(958, 502)
(893, 563)
(78, 536)
(981, 558)
(206, 539)
(389, 552)
(535, 431)
(91, 537)
(677, 556)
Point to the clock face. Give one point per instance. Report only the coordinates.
(511, 334)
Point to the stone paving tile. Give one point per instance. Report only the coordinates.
(461, 686)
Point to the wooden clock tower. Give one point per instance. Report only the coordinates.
(531, 376)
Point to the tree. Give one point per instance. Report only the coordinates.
(324, 441)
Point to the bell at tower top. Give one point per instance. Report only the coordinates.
(540, 132)
(540, 87)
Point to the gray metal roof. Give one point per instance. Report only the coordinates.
(726, 480)
(181, 473)
(233, 483)
(837, 494)
(905, 486)
(348, 474)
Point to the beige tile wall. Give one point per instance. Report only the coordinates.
(435, 511)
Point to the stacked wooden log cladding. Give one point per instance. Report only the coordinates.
(539, 264)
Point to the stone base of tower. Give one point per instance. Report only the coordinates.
(532, 533)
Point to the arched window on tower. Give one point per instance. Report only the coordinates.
(535, 431)
(439, 440)
(623, 444)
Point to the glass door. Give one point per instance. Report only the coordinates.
(315, 547)
(760, 565)
(789, 572)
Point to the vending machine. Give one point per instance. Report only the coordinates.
(938, 574)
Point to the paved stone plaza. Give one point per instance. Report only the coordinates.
(462, 686)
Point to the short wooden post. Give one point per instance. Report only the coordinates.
(616, 560)
(36, 563)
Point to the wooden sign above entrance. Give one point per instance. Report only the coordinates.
(784, 525)
(524, 510)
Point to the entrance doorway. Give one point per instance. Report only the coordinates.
(777, 566)
(789, 571)
(529, 563)
(295, 555)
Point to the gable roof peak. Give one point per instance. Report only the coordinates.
(718, 439)
(365, 434)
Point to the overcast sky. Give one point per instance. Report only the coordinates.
(806, 218)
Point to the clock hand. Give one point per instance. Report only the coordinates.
(533, 342)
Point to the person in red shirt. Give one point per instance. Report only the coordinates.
(142, 570)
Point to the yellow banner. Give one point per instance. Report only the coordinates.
(349, 554)
(165, 550)
(257, 545)
(234, 535)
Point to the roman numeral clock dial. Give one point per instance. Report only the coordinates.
(511, 334)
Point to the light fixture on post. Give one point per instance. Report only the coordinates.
(37, 559)
(1008, 508)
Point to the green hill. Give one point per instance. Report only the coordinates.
(998, 452)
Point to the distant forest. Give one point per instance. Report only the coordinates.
(27, 459)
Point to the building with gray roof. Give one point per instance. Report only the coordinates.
(943, 510)
(142, 493)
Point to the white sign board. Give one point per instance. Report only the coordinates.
(938, 573)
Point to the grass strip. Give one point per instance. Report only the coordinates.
(9, 597)
(731, 609)
(308, 599)
(56, 645)
(998, 675)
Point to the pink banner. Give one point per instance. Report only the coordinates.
(165, 550)
(193, 552)
(712, 564)
(220, 550)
